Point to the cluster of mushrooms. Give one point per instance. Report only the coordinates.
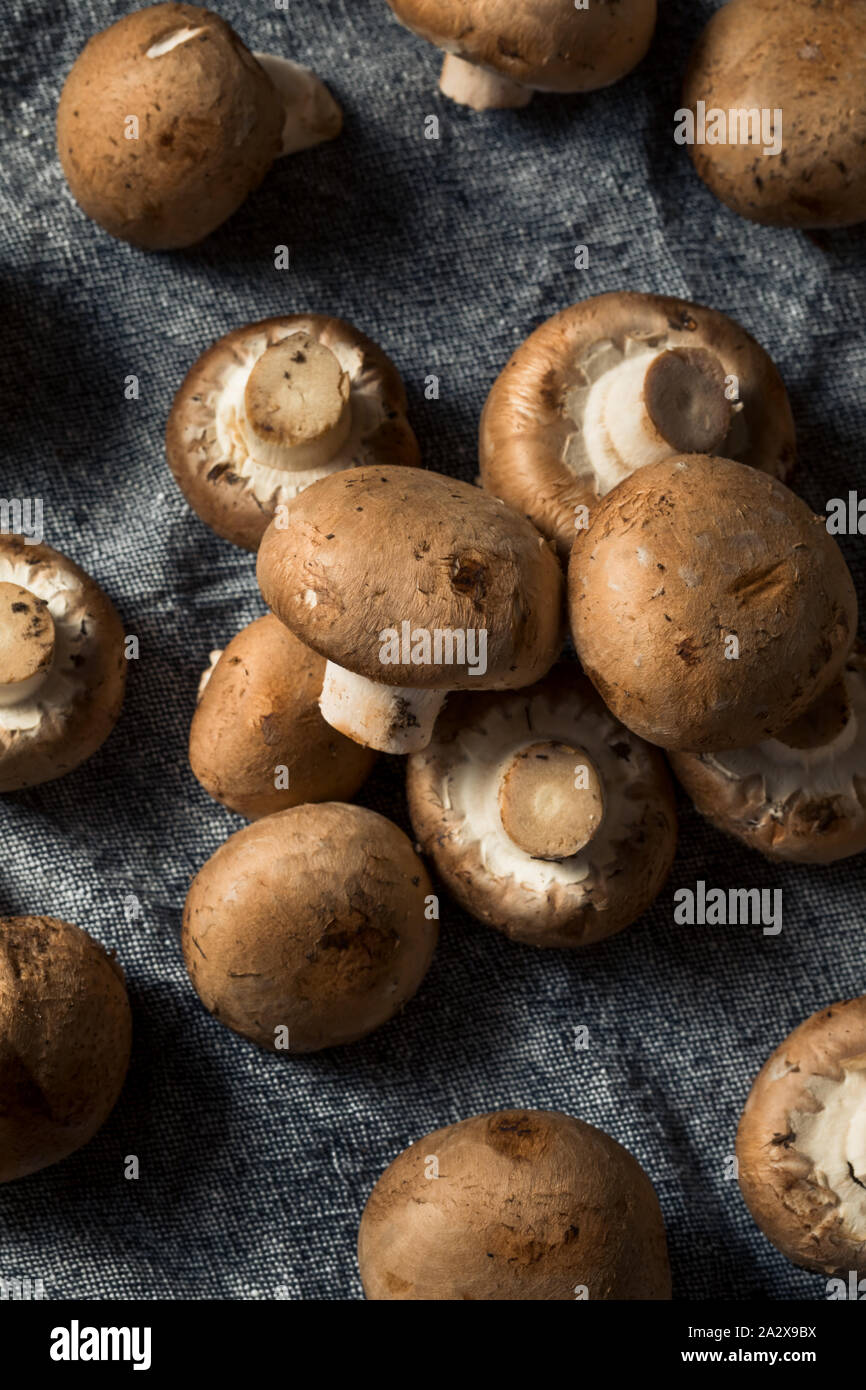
(633, 459)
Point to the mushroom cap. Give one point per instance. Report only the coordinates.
(530, 440)
(366, 550)
(522, 1205)
(804, 802)
(809, 61)
(310, 920)
(65, 1038)
(210, 126)
(801, 1143)
(679, 559)
(453, 787)
(234, 494)
(72, 713)
(259, 710)
(549, 45)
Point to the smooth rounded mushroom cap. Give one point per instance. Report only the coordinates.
(229, 478)
(550, 45)
(801, 1144)
(458, 789)
(65, 1038)
(308, 929)
(709, 606)
(209, 126)
(514, 1205)
(365, 551)
(533, 451)
(258, 723)
(64, 711)
(800, 796)
(809, 61)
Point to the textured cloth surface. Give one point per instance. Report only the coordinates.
(255, 1169)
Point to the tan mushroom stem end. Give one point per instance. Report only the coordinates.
(312, 116)
(470, 85)
(26, 643)
(296, 404)
(390, 718)
(550, 800)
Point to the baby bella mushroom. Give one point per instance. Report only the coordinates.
(799, 796)
(801, 1144)
(516, 1205)
(617, 382)
(775, 117)
(258, 742)
(411, 584)
(709, 606)
(166, 122)
(62, 665)
(276, 405)
(545, 817)
(65, 1038)
(498, 52)
(310, 928)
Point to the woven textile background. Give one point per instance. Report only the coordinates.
(254, 1170)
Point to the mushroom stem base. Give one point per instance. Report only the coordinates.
(391, 718)
(476, 87)
(312, 116)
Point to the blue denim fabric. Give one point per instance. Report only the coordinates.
(254, 1170)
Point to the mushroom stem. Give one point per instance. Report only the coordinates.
(479, 88)
(26, 643)
(312, 116)
(550, 800)
(391, 718)
(297, 404)
(646, 410)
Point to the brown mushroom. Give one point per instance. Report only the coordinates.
(801, 1144)
(498, 53)
(258, 743)
(310, 928)
(619, 381)
(276, 405)
(517, 1205)
(545, 817)
(166, 122)
(800, 796)
(410, 584)
(62, 665)
(65, 1037)
(774, 112)
(709, 606)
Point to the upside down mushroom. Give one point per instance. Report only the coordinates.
(272, 407)
(498, 53)
(709, 606)
(167, 121)
(801, 1142)
(65, 1038)
(517, 1205)
(545, 817)
(410, 584)
(310, 928)
(258, 742)
(800, 796)
(619, 381)
(62, 665)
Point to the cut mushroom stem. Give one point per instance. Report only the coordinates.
(312, 116)
(296, 404)
(472, 86)
(550, 800)
(26, 643)
(643, 412)
(391, 718)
